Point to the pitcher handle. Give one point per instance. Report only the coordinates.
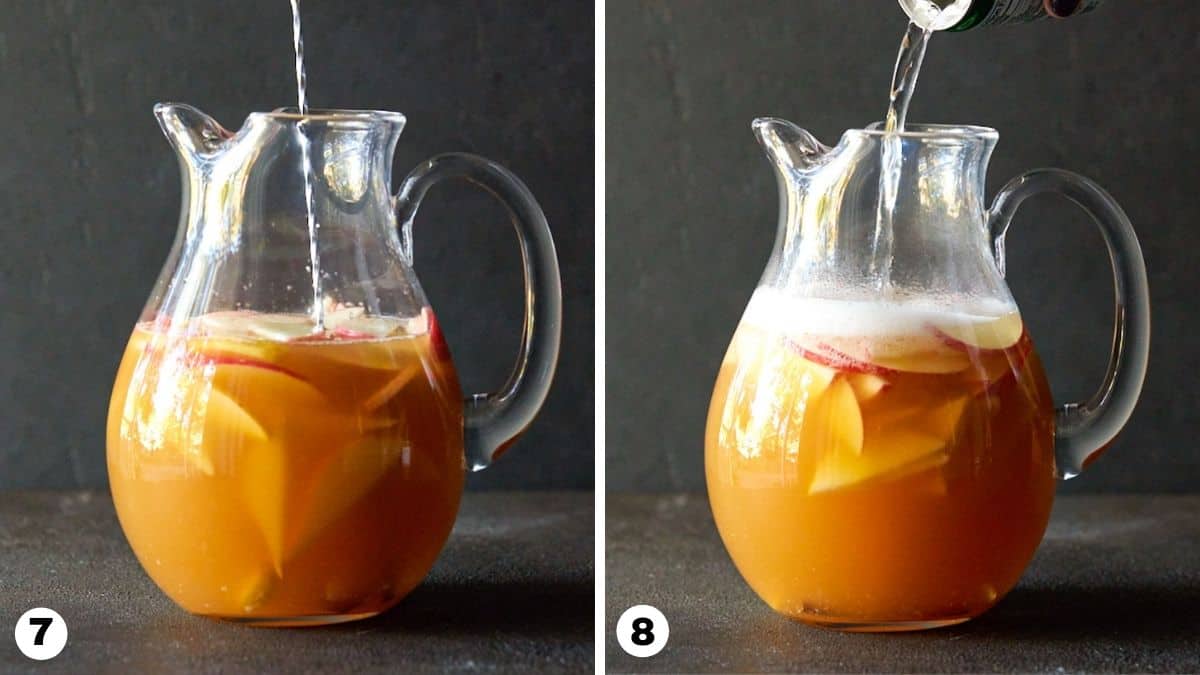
(1084, 430)
(494, 420)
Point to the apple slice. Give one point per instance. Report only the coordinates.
(898, 453)
(772, 388)
(227, 349)
(831, 357)
(352, 323)
(909, 441)
(240, 323)
(371, 326)
(884, 357)
(342, 480)
(833, 424)
(866, 386)
(281, 327)
(336, 316)
(436, 338)
(246, 337)
(998, 333)
(393, 386)
(227, 359)
(263, 474)
(943, 420)
(387, 355)
(813, 377)
(298, 420)
(225, 324)
(224, 425)
(941, 362)
(271, 394)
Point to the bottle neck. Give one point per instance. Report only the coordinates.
(999, 12)
(980, 9)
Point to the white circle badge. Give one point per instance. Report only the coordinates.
(642, 631)
(41, 633)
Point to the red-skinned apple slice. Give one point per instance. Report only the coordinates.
(232, 360)
(813, 377)
(237, 338)
(885, 359)
(436, 339)
(831, 357)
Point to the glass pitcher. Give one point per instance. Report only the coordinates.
(287, 439)
(881, 447)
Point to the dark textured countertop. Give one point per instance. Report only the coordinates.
(511, 592)
(1115, 586)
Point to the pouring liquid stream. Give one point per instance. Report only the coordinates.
(318, 306)
(904, 76)
(904, 82)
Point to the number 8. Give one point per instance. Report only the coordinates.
(643, 632)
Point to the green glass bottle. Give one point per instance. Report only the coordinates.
(960, 15)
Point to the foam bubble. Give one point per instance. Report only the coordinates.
(775, 311)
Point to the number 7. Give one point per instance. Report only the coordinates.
(44, 622)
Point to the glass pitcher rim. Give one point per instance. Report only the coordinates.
(331, 116)
(929, 132)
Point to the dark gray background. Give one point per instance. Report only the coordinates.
(691, 203)
(90, 188)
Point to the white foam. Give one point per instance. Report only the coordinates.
(775, 311)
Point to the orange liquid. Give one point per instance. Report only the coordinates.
(285, 482)
(872, 497)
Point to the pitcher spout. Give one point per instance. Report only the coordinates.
(788, 145)
(189, 130)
